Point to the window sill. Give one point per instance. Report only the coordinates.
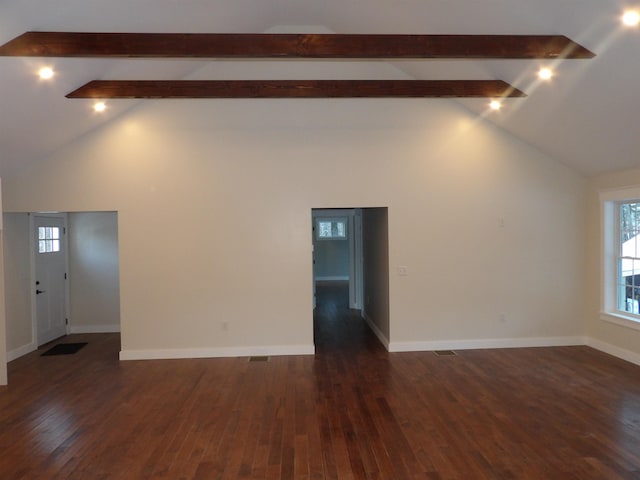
(622, 320)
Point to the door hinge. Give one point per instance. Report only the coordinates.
(65, 276)
(66, 321)
(64, 230)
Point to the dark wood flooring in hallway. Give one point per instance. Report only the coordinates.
(352, 411)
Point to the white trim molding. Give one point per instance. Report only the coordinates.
(618, 352)
(374, 328)
(622, 320)
(221, 352)
(94, 329)
(486, 343)
(21, 351)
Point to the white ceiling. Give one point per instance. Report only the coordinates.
(587, 116)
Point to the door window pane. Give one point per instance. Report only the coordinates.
(48, 239)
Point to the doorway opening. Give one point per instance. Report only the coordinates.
(350, 276)
(61, 277)
(337, 250)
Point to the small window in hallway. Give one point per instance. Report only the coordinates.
(329, 229)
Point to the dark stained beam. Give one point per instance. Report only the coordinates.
(224, 45)
(105, 89)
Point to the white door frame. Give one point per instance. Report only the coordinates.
(33, 248)
(357, 258)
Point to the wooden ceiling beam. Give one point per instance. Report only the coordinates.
(233, 45)
(106, 89)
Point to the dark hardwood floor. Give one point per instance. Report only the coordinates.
(352, 411)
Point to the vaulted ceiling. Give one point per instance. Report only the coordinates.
(586, 116)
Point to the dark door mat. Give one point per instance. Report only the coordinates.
(64, 349)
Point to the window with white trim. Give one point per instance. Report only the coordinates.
(628, 246)
(621, 256)
(48, 239)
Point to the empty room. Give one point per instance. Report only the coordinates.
(319, 240)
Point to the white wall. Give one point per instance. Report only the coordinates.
(94, 272)
(17, 275)
(332, 259)
(213, 201)
(3, 326)
(615, 339)
(3, 338)
(375, 244)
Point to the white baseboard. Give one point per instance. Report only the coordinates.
(165, 354)
(485, 343)
(276, 350)
(20, 351)
(374, 328)
(613, 350)
(94, 329)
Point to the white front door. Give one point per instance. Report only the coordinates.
(50, 270)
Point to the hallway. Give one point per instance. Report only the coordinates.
(337, 329)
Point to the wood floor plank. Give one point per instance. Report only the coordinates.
(352, 411)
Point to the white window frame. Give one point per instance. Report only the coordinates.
(610, 201)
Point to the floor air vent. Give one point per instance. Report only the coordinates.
(444, 353)
(259, 359)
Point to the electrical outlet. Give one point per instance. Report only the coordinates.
(403, 271)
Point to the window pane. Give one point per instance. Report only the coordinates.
(331, 229)
(626, 268)
(629, 260)
(635, 297)
(324, 229)
(630, 247)
(629, 221)
(48, 239)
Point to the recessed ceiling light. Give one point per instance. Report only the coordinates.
(631, 18)
(46, 73)
(495, 105)
(545, 73)
(99, 106)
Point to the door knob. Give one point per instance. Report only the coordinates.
(38, 292)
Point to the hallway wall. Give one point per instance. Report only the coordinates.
(94, 274)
